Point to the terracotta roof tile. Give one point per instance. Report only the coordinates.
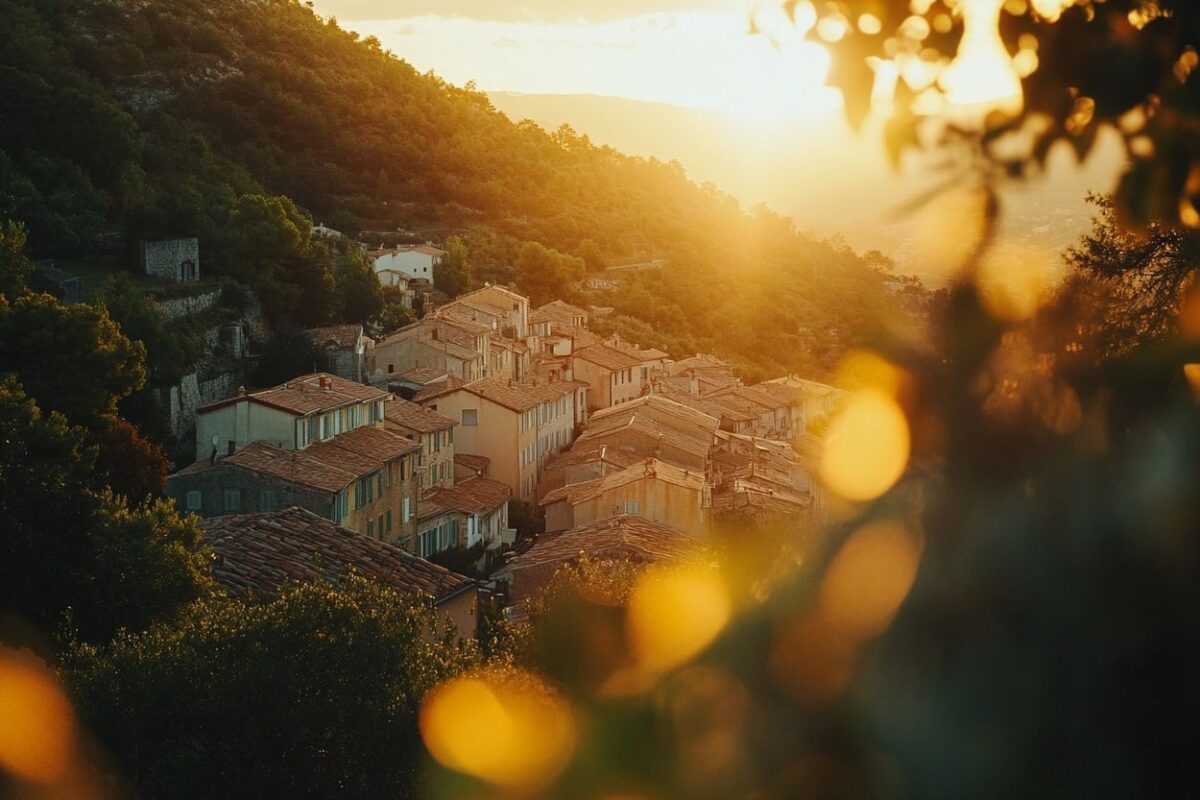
(607, 357)
(262, 553)
(305, 395)
(621, 537)
(345, 336)
(413, 417)
(471, 496)
(652, 468)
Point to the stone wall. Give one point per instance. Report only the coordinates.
(181, 307)
(175, 260)
(180, 402)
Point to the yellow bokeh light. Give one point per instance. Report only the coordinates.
(1189, 315)
(864, 369)
(506, 728)
(981, 79)
(675, 613)
(1191, 372)
(37, 725)
(869, 578)
(867, 447)
(1015, 281)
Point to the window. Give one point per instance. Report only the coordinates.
(433, 474)
(450, 435)
(194, 500)
(407, 512)
(340, 501)
(370, 528)
(391, 368)
(231, 447)
(379, 525)
(314, 429)
(301, 434)
(267, 500)
(470, 417)
(231, 500)
(379, 483)
(388, 516)
(631, 506)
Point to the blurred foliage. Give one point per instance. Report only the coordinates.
(326, 683)
(1059, 72)
(15, 266)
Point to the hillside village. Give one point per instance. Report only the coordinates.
(498, 439)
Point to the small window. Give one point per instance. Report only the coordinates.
(470, 417)
(631, 506)
(391, 368)
(370, 528)
(231, 500)
(232, 446)
(267, 500)
(407, 511)
(388, 517)
(194, 500)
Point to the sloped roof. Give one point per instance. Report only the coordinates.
(625, 536)
(667, 405)
(328, 466)
(651, 469)
(263, 553)
(607, 357)
(517, 396)
(473, 462)
(420, 375)
(560, 311)
(414, 417)
(471, 496)
(436, 389)
(698, 443)
(344, 336)
(304, 395)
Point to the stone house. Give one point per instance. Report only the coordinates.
(433, 431)
(614, 377)
(364, 479)
(471, 512)
(457, 347)
(655, 490)
(174, 260)
(347, 351)
(299, 412)
(394, 266)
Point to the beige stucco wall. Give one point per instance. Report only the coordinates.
(657, 500)
(243, 422)
(461, 609)
(497, 436)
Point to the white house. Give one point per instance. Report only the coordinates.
(395, 266)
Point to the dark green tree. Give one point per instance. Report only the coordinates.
(14, 264)
(73, 560)
(326, 682)
(359, 295)
(70, 359)
(289, 352)
(546, 274)
(452, 274)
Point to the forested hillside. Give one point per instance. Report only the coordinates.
(131, 119)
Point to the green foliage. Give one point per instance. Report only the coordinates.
(1102, 66)
(546, 274)
(171, 351)
(288, 353)
(326, 683)
(452, 274)
(72, 559)
(70, 359)
(14, 265)
(359, 295)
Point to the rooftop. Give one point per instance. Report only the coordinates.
(307, 394)
(607, 357)
(625, 536)
(516, 396)
(477, 464)
(471, 496)
(650, 469)
(263, 553)
(413, 417)
(344, 336)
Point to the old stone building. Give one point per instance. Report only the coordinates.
(175, 260)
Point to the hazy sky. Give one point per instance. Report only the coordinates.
(687, 52)
(785, 142)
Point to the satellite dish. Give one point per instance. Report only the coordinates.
(215, 439)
